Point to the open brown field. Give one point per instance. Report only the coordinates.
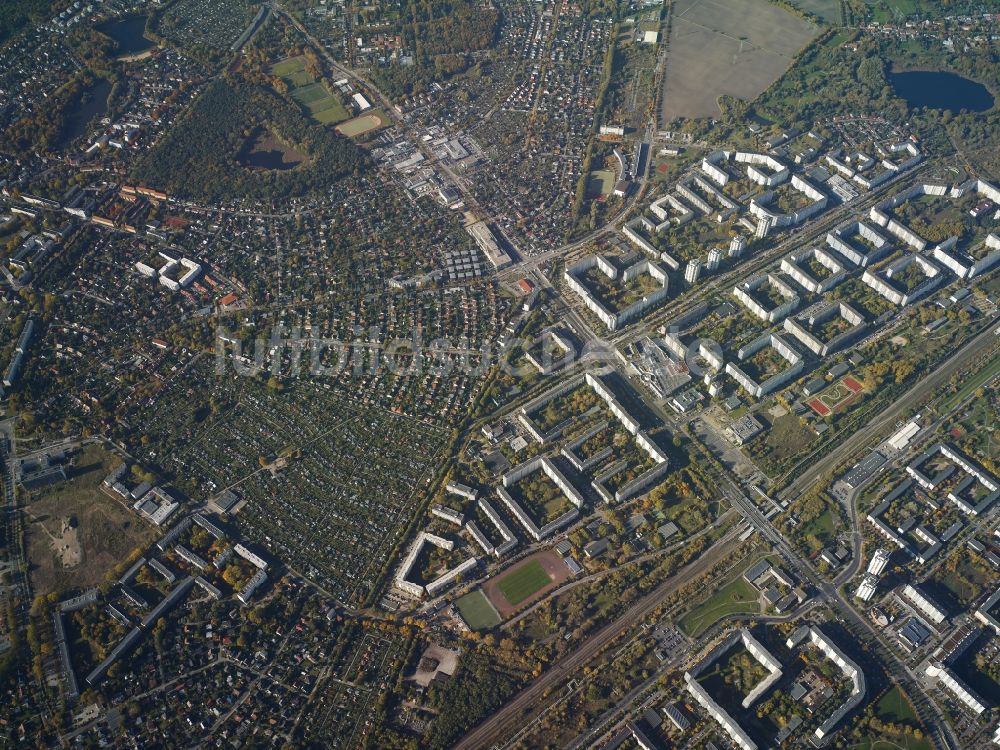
(75, 532)
(734, 47)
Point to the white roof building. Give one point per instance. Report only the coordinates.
(925, 605)
(958, 688)
(850, 668)
(867, 588)
(879, 562)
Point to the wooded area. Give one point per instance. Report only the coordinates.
(198, 158)
(14, 14)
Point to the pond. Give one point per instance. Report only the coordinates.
(265, 151)
(93, 104)
(940, 90)
(128, 34)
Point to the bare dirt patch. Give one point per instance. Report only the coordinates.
(435, 660)
(67, 545)
(76, 532)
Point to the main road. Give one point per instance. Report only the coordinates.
(492, 729)
(961, 359)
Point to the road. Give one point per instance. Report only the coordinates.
(492, 729)
(15, 540)
(878, 425)
(859, 626)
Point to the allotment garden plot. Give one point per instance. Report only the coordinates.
(342, 713)
(206, 24)
(326, 484)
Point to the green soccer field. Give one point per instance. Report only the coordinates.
(524, 582)
(298, 79)
(314, 92)
(319, 102)
(288, 66)
(322, 106)
(477, 611)
(331, 115)
(293, 72)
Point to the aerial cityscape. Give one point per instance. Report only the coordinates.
(500, 374)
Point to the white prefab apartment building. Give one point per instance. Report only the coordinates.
(849, 667)
(740, 637)
(802, 327)
(540, 463)
(774, 382)
(884, 281)
(795, 266)
(615, 319)
(744, 293)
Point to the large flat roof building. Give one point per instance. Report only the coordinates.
(485, 237)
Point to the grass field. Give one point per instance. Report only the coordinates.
(736, 597)
(523, 582)
(788, 436)
(310, 94)
(727, 47)
(967, 581)
(986, 375)
(477, 611)
(894, 708)
(364, 124)
(822, 528)
(828, 10)
(884, 11)
(313, 96)
(329, 116)
(600, 183)
(298, 78)
(289, 66)
(903, 743)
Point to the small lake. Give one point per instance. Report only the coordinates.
(127, 33)
(940, 90)
(273, 159)
(93, 104)
(265, 151)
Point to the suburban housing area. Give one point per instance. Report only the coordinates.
(500, 374)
